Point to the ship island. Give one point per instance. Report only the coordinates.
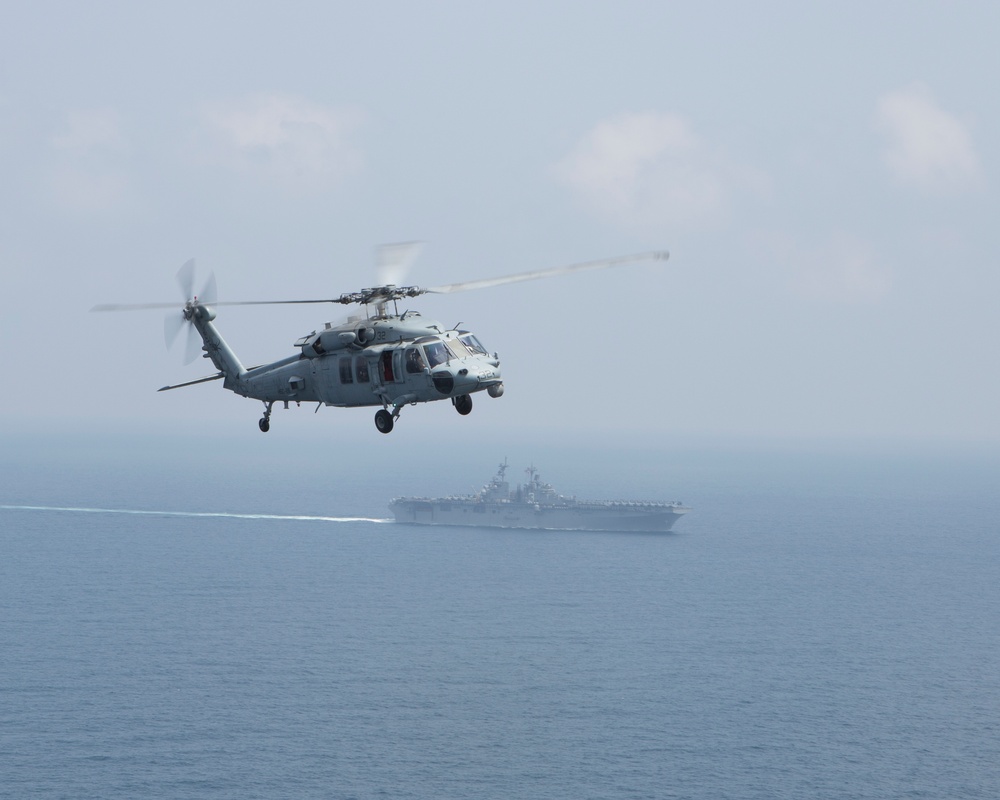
(535, 505)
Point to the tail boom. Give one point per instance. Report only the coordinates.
(216, 348)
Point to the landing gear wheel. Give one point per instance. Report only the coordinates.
(265, 422)
(463, 404)
(383, 421)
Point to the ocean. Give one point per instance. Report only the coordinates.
(821, 625)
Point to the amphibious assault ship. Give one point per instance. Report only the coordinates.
(535, 504)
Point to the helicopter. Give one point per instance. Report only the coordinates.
(380, 358)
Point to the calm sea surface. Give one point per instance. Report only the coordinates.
(822, 627)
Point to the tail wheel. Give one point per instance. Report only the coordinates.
(383, 421)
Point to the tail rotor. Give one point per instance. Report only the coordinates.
(175, 321)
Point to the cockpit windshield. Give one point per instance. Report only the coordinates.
(470, 341)
(459, 348)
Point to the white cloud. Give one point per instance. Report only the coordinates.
(843, 269)
(93, 129)
(650, 170)
(926, 147)
(284, 139)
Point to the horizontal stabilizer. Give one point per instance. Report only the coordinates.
(192, 383)
(215, 377)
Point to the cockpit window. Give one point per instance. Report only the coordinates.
(414, 362)
(458, 347)
(437, 353)
(470, 341)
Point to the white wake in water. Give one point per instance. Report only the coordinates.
(222, 514)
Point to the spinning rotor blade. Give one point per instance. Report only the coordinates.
(465, 286)
(172, 324)
(274, 302)
(393, 262)
(131, 306)
(391, 258)
(185, 279)
(210, 293)
(154, 306)
(371, 295)
(193, 345)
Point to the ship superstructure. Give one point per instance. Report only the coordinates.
(535, 504)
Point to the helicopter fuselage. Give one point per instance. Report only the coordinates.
(388, 361)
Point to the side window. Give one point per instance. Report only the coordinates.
(361, 369)
(345, 370)
(414, 362)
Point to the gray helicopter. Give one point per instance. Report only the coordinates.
(380, 359)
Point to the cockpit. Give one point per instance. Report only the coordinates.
(472, 343)
(441, 351)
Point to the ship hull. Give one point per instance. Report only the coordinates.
(580, 517)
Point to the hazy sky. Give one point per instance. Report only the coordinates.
(825, 176)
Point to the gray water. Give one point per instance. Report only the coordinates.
(822, 627)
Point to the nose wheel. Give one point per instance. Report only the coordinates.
(463, 404)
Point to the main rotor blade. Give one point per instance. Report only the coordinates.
(465, 286)
(133, 306)
(274, 302)
(393, 262)
(411, 249)
(149, 306)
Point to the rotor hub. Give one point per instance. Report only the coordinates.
(380, 294)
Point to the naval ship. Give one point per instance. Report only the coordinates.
(534, 504)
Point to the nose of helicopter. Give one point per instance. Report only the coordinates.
(482, 374)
